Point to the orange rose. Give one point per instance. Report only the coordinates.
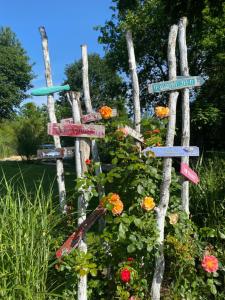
(148, 203)
(117, 207)
(123, 131)
(173, 218)
(113, 198)
(106, 112)
(162, 112)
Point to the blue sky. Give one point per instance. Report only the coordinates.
(68, 24)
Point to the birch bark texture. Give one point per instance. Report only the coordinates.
(52, 118)
(89, 109)
(88, 106)
(135, 83)
(161, 210)
(82, 152)
(185, 138)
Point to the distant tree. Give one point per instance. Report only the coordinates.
(106, 86)
(31, 129)
(15, 73)
(149, 21)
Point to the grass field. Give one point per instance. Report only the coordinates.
(29, 175)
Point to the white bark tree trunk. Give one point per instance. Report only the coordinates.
(52, 118)
(89, 109)
(82, 152)
(134, 78)
(185, 140)
(167, 166)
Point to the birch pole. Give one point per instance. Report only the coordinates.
(167, 167)
(134, 78)
(52, 118)
(82, 152)
(185, 139)
(89, 108)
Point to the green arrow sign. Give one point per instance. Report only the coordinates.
(50, 90)
(180, 83)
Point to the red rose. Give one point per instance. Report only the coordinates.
(156, 131)
(87, 161)
(125, 275)
(130, 259)
(210, 263)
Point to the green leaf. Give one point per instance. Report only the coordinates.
(93, 272)
(137, 222)
(132, 238)
(131, 248)
(140, 189)
(122, 231)
(139, 245)
(115, 161)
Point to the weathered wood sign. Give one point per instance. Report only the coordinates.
(179, 83)
(66, 152)
(76, 130)
(74, 239)
(67, 121)
(50, 90)
(50, 153)
(130, 131)
(95, 116)
(176, 151)
(186, 171)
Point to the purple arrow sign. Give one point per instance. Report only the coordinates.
(176, 151)
(189, 173)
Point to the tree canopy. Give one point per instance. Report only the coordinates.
(15, 73)
(149, 21)
(106, 86)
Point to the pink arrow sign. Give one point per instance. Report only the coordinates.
(76, 130)
(189, 173)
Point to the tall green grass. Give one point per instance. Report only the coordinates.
(26, 223)
(208, 197)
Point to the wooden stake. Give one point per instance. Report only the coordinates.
(89, 109)
(135, 84)
(167, 166)
(82, 152)
(52, 118)
(185, 140)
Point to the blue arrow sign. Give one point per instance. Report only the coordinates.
(50, 90)
(176, 151)
(179, 83)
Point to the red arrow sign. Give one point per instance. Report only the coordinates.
(189, 173)
(76, 130)
(74, 239)
(95, 116)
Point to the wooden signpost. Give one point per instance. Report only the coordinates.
(130, 131)
(186, 171)
(176, 151)
(180, 83)
(76, 130)
(92, 117)
(66, 152)
(74, 239)
(95, 116)
(67, 121)
(44, 91)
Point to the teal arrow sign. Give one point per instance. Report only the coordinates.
(179, 83)
(50, 90)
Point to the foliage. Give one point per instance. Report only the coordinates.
(106, 85)
(149, 21)
(15, 73)
(8, 139)
(26, 226)
(30, 130)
